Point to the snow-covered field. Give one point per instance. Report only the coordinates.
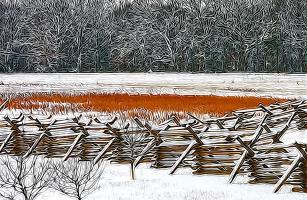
(279, 85)
(156, 184)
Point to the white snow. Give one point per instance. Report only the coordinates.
(156, 184)
(278, 85)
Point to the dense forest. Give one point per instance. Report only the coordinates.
(157, 35)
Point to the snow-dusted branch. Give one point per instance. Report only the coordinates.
(76, 179)
(24, 177)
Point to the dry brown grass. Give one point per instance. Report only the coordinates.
(114, 102)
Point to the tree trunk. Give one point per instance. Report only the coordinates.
(79, 63)
(132, 171)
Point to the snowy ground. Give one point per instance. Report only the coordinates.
(279, 85)
(156, 184)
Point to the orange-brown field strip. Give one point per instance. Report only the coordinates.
(112, 102)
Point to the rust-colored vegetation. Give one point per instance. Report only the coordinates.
(114, 102)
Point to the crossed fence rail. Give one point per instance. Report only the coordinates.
(248, 142)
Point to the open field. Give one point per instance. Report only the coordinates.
(277, 85)
(208, 137)
(152, 91)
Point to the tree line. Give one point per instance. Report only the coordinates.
(157, 35)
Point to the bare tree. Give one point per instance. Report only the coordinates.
(133, 141)
(24, 177)
(76, 179)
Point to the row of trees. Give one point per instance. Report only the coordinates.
(161, 35)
